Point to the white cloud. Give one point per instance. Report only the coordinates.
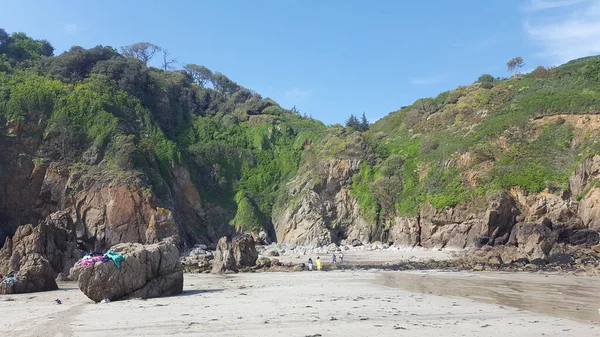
(538, 5)
(296, 93)
(426, 80)
(71, 28)
(569, 35)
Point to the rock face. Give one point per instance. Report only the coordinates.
(585, 184)
(106, 213)
(533, 240)
(224, 260)
(148, 271)
(20, 181)
(325, 212)
(462, 227)
(34, 274)
(244, 250)
(53, 239)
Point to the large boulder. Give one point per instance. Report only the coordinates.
(54, 239)
(34, 274)
(244, 250)
(224, 260)
(533, 240)
(148, 271)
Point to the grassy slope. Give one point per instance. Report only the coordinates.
(475, 140)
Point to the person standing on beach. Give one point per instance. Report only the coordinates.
(310, 264)
(319, 264)
(342, 258)
(333, 259)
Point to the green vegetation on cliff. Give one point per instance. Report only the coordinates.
(101, 108)
(96, 107)
(527, 131)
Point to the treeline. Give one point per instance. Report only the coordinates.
(108, 107)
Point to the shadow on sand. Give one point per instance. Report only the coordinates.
(199, 291)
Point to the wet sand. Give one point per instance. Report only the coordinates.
(336, 303)
(556, 295)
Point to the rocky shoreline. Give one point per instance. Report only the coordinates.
(573, 260)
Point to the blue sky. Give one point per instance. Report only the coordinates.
(330, 58)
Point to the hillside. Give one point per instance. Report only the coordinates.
(137, 153)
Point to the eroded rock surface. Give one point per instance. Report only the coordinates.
(148, 271)
(244, 250)
(34, 274)
(224, 260)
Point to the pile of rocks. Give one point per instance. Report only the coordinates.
(275, 249)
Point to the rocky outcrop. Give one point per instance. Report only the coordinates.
(148, 271)
(224, 260)
(20, 182)
(244, 250)
(34, 274)
(404, 231)
(463, 226)
(586, 173)
(106, 212)
(533, 240)
(53, 239)
(585, 185)
(325, 211)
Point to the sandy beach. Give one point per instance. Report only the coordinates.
(334, 303)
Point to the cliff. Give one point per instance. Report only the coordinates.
(131, 153)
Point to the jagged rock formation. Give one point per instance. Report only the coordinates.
(34, 274)
(244, 250)
(224, 260)
(325, 211)
(239, 253)
(148, 271)
(53, 240)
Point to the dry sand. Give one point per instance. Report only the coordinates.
(336, 303)
(357, 256)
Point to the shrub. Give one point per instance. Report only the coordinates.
(428, 145)
(485, 78)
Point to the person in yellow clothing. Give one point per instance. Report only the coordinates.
(319, 264)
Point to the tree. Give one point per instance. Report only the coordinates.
(485, 78)
(47, 48)
(63, 139)
(200, 74)
(3, 36)
(386, 190)
(591, 71)
(141, 50)
(224, 85)
(515, 64)
(20, 47)
(352, 122)
(364, 123)
(168, 62)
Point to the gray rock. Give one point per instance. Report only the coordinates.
(224, 259)
(35, 274)
(148, 271)
(244, 250)
(263, 262)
